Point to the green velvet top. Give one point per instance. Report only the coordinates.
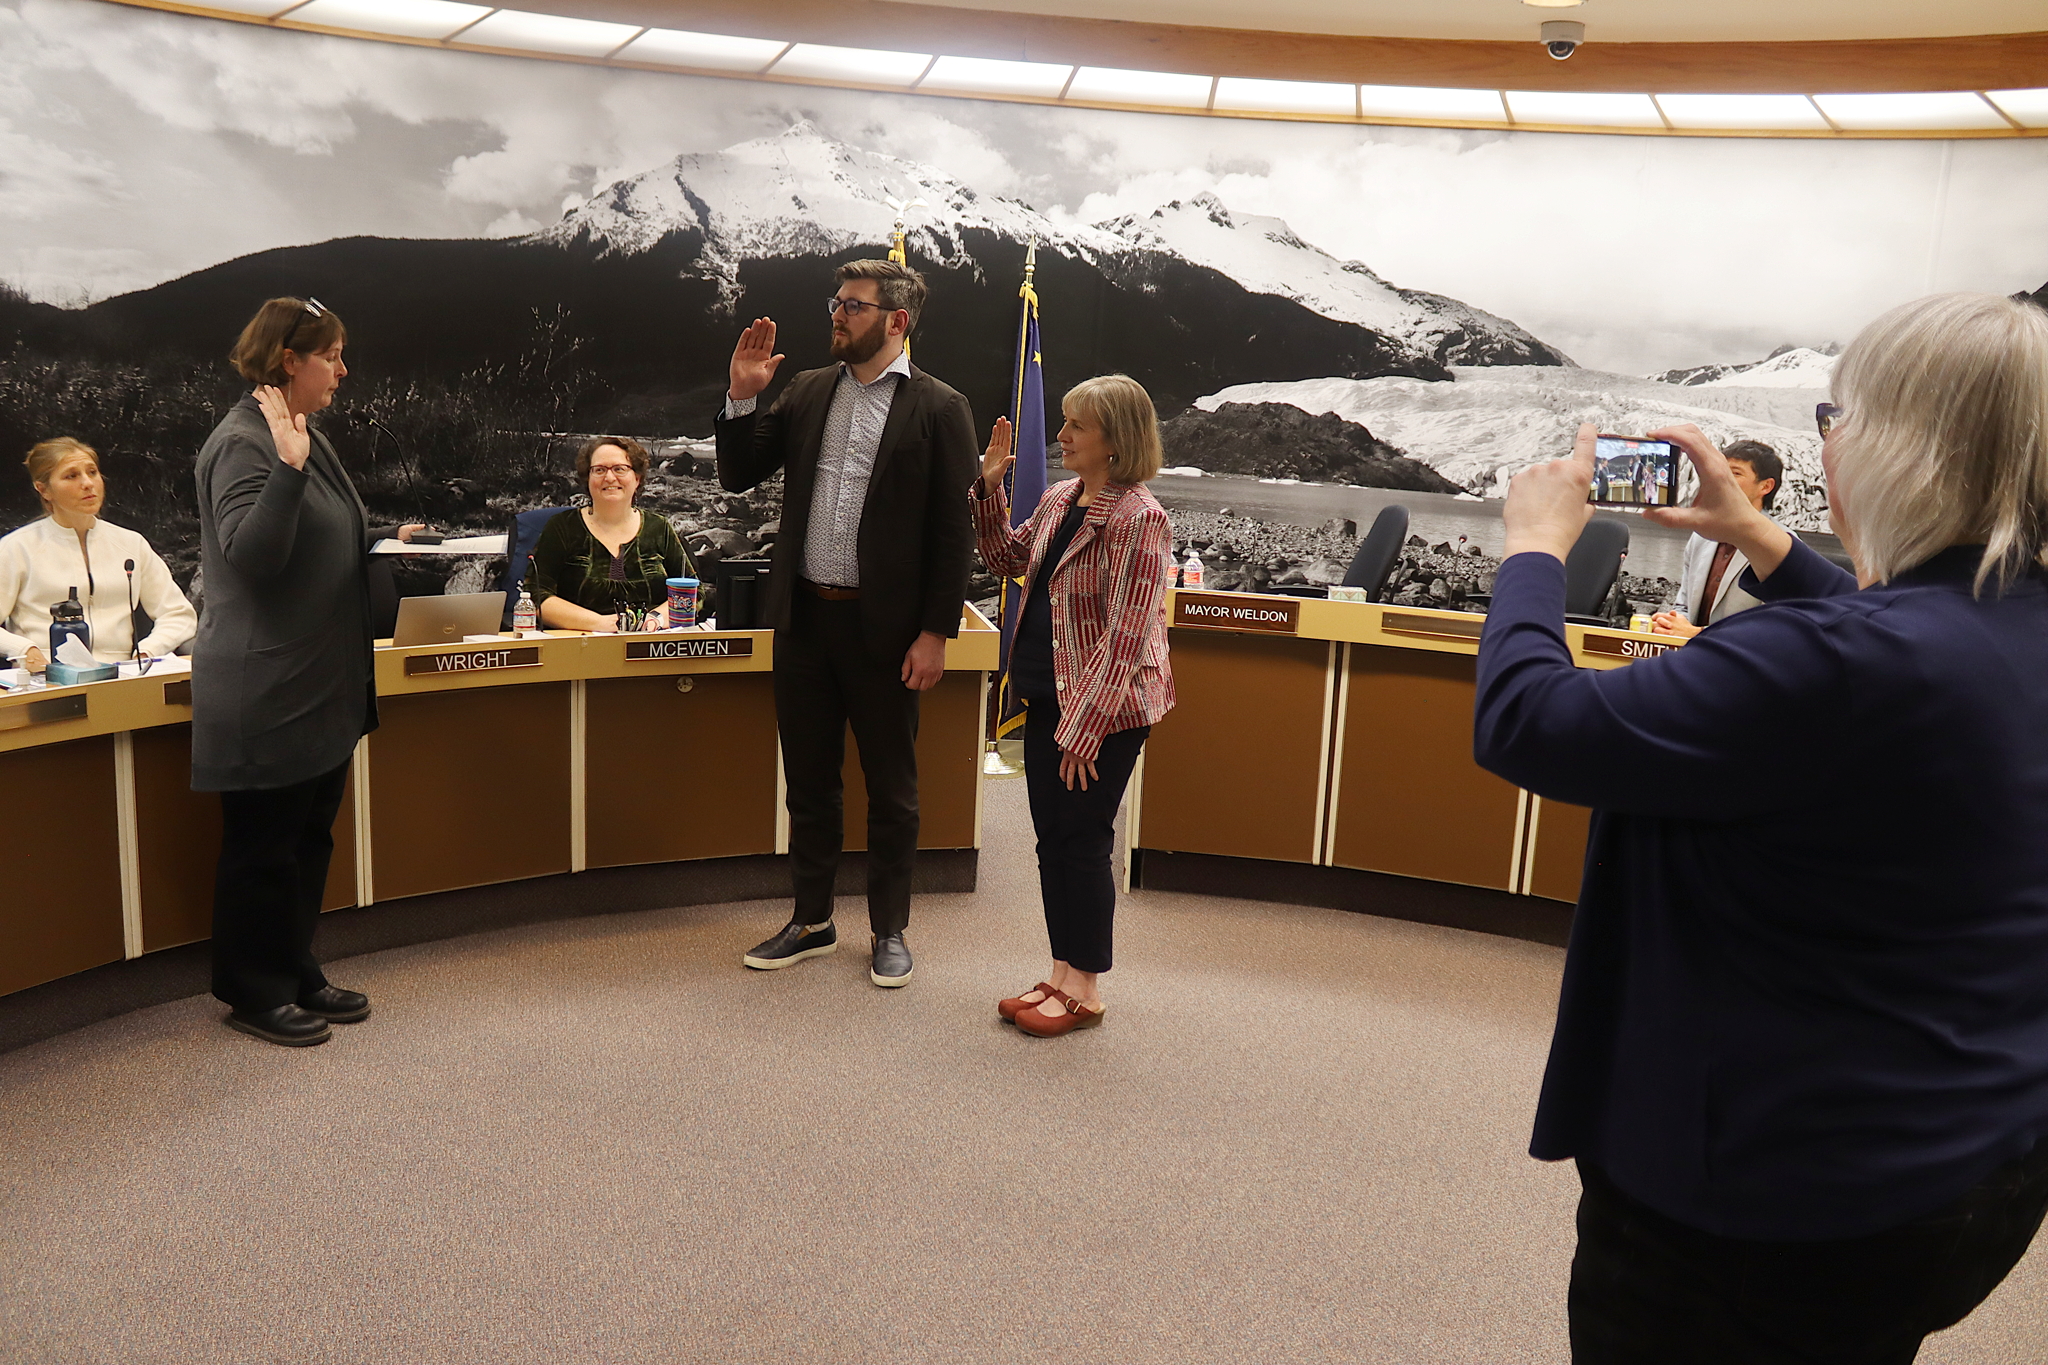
(568, 561)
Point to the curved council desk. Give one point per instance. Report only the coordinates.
(589, 772)
(1321, 754)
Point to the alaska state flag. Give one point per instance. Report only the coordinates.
(1027, 475)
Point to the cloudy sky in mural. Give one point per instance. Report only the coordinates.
(135, 147)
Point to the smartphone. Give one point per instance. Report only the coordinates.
(1634, 471)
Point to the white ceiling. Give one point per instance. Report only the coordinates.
(1618, 21)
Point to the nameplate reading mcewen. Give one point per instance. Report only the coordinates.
(688, 647)
(473, 660)
(1627, 647)
(1236, 611)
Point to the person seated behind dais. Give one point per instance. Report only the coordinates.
(1709, 589)
(591, 562)
(70, 546)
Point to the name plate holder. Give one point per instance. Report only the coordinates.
(664, 648)
(178, 692)
(472, 660)
(1464, 626)
(1630, 647)
(1237, 611)
(43, 711)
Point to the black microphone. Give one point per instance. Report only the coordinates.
(134, 645)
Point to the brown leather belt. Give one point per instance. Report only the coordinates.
(828, 592)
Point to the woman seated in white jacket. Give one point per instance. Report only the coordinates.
(113, 568)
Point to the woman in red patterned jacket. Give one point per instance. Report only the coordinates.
(1089, 660)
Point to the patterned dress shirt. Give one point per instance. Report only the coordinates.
(846, 461)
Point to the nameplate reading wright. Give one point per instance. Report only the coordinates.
(473, 660)
(1627, 646)
(691, 647)
(1236, 611)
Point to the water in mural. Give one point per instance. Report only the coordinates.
(525, 251)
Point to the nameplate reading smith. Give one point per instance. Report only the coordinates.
(473, 660)
(1236, 611)
(1627, 647)
(687, 647)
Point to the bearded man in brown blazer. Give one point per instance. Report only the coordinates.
(869, 571)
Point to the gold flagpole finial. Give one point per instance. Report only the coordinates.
(899, 234)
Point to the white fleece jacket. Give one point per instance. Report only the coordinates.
(42, 562)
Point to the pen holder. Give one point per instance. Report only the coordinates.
(682, 602)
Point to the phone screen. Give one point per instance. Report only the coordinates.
(1631, 471)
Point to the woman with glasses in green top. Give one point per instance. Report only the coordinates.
(593, 565)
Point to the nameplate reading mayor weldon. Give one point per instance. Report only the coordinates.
(1236, 611)
(691, 647)
(473, 660)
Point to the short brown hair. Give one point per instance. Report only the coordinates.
(309, 328)
(1124, 411)
(47, 457)
(896, 286)
(635, 453)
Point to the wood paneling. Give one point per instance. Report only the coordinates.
(1234, 768)
(1410, 800)
(949, 730)
(671, 775)
(1557, 853)
(469, 787)
(60, 861)
(177, 838)
(2000, 61)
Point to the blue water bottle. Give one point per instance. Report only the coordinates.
(67, 621)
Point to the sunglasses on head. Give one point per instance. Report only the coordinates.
(314, 309)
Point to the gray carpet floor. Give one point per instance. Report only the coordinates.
(1298, 1136)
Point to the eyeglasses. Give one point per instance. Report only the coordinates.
(852, 307)
(313, 308)
(1827, 417)
(616, 471)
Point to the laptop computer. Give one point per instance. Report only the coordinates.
(446, 619)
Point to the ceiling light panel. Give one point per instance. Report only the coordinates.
(867, 66)
(403, 18)
(1288, 97)
(548, 33)
(1423, 101)
(265, 8)
(1957, 109)
(1583, 109)
(1742, 111)
(710, 51)
(1112, 86)
(2028, 108)
(980, 74)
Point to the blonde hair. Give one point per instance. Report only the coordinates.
(1945, 437)
(281, 325)
(1120, 406)
(45, 458)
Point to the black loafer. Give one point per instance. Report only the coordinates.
(795, 943)
(336, 1005)
(287, 1026)
(892, 961)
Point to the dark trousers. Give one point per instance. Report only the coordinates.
(275, 845)
(1646, 1290)
(825, 681)
(1076, 830)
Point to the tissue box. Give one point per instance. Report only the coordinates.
(64, 675)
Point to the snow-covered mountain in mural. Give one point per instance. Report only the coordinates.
(804, 194)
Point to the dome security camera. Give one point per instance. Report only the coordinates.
(1561, 37)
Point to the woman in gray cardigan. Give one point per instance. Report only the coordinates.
(282, 687)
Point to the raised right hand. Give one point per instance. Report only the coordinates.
(999, 456)
(287, 433)
(754, 360)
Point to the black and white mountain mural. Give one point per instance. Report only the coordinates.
(1330, 318)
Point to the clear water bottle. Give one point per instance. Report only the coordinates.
(67, 620)
(1191, 572)
(525, 615)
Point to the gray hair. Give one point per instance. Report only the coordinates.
(1945, 436)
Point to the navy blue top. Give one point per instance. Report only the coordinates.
(1806, 994)
(1031, 653)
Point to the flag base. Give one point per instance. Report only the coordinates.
(1005, 758)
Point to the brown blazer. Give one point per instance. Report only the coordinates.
(916, 541)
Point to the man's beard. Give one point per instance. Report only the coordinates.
(854, 348)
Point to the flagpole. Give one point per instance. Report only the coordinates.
(995, 763)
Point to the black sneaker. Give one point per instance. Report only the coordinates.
(285, 1025)
(336, 1005)
(795, 943)
(892, 961)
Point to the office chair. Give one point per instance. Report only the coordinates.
(1379, 552)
